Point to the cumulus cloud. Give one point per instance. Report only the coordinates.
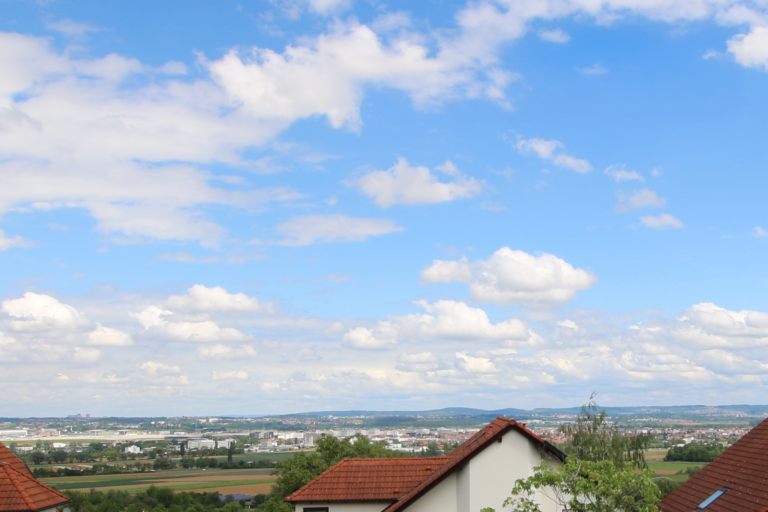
(153, 369)
(311, 229)
(554, 36)
(514, 277)
(365, 339)
(226, 352)
(662, 221)
(17, 241)
(619, 173)
(418, 362)
(444, 320)
(405, 184)
(236, 375)
(202, 298)
(751, 50)
(471, 364)
(156, 322)
(551, 150)
(639, 199)
(39, 312)
(86, 355)
(108, 337)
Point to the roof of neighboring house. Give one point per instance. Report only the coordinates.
(368, 479)
(742, 469)
(468, 449)
(22, 493)
(8, 456)
(404, 480)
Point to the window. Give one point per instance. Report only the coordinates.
(315, 509)
(707, 502)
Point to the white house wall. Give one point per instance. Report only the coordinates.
(345, 507)
(441, 498)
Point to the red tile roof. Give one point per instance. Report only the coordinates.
(7, 455)
(22, 493)
(404, 480)
(368, 479)
(742, 468)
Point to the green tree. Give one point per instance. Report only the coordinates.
(586, 486)
(593, 438)
(230, 452)
(37, 457)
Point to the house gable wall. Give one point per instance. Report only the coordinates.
(443, 497)
(336, 506)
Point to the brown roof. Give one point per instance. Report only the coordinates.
(368, 479)
(404, 480)
(22, 493)
(7, 455)
(742, 468)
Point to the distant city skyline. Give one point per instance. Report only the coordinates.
(271, 207)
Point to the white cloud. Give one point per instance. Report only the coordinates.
(108, 337)
(17, 241)
(155, 322)
(547, 149)
(444, 320)
(422, 361)
(365, 339)
(236, 375)
(595, 69)
(568, 324)
(310, 229)
(514, 277)
(751, 50)
(154, 369)
(554, 36)
(328, 6)
(664, 220)
(720, 321)
(86, 355)
(39, 312)
(405, 184)
(202, 298)
(640, 199)
(471, 364)
(619, 173)
(226, 352)
(759, 232)
(71, 28)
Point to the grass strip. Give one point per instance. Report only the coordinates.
(202, 485)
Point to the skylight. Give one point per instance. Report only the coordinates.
(707, 502)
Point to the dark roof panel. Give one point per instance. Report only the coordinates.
(742, 469)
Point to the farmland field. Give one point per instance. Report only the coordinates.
(246, 481)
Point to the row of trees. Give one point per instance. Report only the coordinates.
(695, 452)
(154, 499)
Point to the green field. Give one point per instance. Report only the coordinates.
(670, 469)
(174, 480)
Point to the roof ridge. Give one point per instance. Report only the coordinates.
(13, 476)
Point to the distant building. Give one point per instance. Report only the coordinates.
(133, 449)
(198, 444)
(13, 433)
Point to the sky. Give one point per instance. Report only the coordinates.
(263, 207)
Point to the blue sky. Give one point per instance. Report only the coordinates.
(269, 207)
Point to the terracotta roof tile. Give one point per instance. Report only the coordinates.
(8, 456)
(742, 468)
(368, 479)
(22, 493)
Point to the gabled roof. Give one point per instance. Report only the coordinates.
(468, 449)
(368, 479)
(404, 480)
(22, 493)
(742, 469)
(8, 456)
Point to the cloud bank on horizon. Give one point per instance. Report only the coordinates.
(331, 204)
